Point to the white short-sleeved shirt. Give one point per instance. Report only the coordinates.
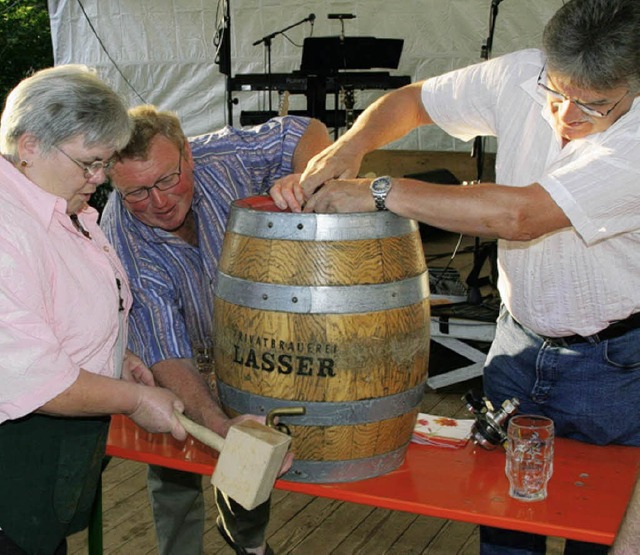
(573, 281)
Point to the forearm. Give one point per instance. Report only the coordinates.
(182, 377)
(152, 408)
(627, 540)
(93, 395)
(387, 119)
(315, 138)
(485, 210)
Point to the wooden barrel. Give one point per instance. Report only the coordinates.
(330, 312)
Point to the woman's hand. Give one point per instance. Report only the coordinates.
(154, 411)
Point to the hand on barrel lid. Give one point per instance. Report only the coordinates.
(342, 195)
(287, 193)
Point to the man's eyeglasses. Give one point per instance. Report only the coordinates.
(584, 107)
(163, 184)
(91, 170)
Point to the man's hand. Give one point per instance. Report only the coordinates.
(335, 161)
(351, 195)
(134, 370)
(286, 192)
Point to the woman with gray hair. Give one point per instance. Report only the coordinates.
(64, 298)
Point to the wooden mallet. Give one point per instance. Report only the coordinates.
(250, 457)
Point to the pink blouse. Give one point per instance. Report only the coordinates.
(61, 295)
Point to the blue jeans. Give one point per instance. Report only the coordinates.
(590, 390)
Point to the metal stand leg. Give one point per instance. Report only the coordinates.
(460, 374)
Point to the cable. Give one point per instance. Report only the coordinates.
(453, 255)
(220, 25)
(291, 41)
(104, 48)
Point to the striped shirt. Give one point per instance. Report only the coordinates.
(172, 281)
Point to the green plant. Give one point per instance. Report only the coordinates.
(25, 47)
(25, 41)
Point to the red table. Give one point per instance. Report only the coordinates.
(588, 492)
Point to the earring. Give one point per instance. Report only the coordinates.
(25, 164)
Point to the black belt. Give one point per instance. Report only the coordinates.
(610, 332)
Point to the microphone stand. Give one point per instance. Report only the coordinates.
(226, 61)
(477, 152)
(267, 43)
(485, 54)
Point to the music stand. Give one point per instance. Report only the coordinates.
(324, 58)
(326, 55)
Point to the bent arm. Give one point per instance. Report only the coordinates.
(389, 118)
(181, 376)
(95, 395)
(314, 139)
(485, 210)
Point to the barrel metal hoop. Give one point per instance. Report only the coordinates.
(345, 470)
(317, 413)
(323, 299)
(318, 227)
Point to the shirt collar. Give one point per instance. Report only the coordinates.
(40, 202)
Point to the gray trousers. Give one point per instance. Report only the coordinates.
(177, 502)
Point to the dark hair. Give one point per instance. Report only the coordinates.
(595, 44)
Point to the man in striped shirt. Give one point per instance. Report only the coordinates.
(167, 222)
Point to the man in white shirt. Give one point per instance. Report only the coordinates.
(565, 208)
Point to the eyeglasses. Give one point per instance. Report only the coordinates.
(163, 184)
(584, 107)
(91, 170)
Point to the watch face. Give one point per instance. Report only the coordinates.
(380, 185)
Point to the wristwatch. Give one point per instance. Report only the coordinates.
(380, 188)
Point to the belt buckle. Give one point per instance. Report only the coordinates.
(557, 341)
(569, 340)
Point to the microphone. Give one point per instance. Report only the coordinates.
(341, 16)
(311, 17)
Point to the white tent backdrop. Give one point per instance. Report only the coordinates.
(163, 51)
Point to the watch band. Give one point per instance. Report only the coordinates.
(380, 188)
(380, 203)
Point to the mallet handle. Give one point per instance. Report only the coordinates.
(205, 435)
